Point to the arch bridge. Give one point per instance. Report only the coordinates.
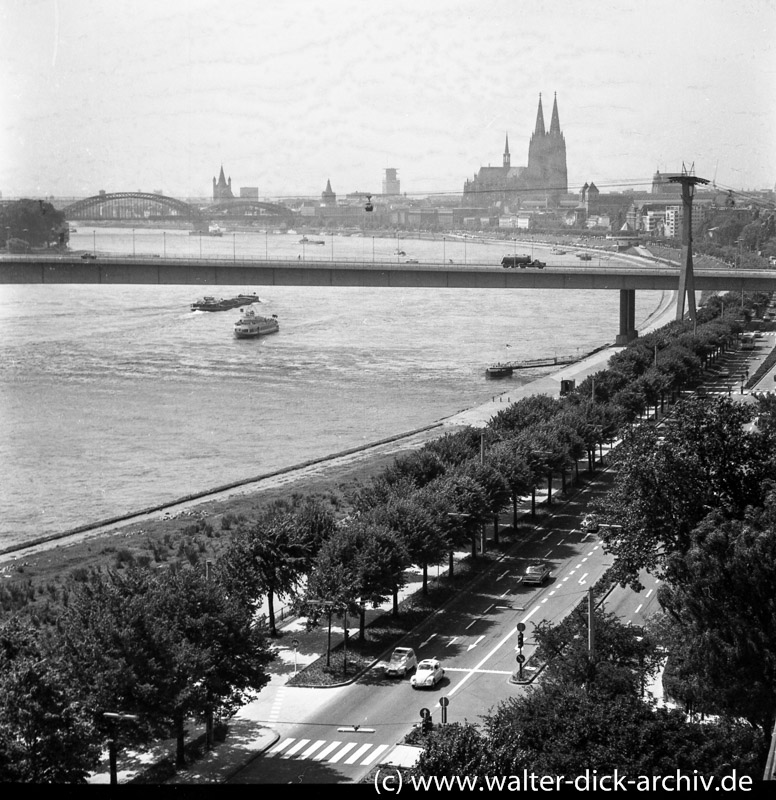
(128, 205)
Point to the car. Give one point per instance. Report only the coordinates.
(536, 572)
(537, 263)
(590, 523)
(428, 674)
(87, 256)
(411, 261)
(403, 659)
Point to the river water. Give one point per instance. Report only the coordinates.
(115, 398)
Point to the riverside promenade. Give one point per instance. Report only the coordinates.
(251, 730)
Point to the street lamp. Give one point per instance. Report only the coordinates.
(94, 242)
(133, 242)
(373, 249)
(200, 244)
(444, 254)
(113, 719)
(8, 238)
(266, 245)
(398, 249)
(234, 247)
(164, 243)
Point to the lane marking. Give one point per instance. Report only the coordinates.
(283, 745)
(495, 649)
(328, 749)
(475, 643)
(649, 593)
(373, 755)
(548, 553)
(312, 748)
(342, 753)
(422, 644)
(582, 579)
(638, 608)
(296, 748)
(503, 574)
(358, 753)
(452, 641)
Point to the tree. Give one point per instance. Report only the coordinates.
(46, 733)
(721, 604)
(270, 555)
(624, 657)
(162, 646)
(510, 460)
(36, 222)
(666, 482)
(416, 520)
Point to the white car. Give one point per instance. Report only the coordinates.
(428, 674)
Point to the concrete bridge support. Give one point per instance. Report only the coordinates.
(628, 330)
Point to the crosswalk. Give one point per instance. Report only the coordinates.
(331, 752)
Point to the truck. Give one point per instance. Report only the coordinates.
(516, 261)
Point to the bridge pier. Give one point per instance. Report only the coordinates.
(628, 330)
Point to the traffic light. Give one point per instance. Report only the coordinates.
(426, 725)
(520, 639)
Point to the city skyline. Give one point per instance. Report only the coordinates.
(135, 95)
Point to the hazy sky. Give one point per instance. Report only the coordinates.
(156, 94)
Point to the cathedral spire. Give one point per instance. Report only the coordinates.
(506, 152)
(555, 123)
(221, 178)
(539, 119)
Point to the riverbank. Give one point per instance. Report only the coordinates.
(197, 518)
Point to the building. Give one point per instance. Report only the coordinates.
(328, 198)
(391, 184)
(223, 189)
(545, 177)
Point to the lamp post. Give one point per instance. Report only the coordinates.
(94, 242)
(133, 242)
(234, 247)
(398, 249)
(444, 254)
(164, 244)
(200, 244)
(332, 245)
(113, 720)
(8, 238)
(373, 249)
(464, 249)
(266, 245)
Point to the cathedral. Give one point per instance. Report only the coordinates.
(223, 189)
(544, 178)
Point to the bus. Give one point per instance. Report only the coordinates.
(747, 341)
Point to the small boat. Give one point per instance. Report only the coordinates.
(215, 230)
(584, 257)
(558, 252)
(209, 303)
(250, 325)
(305, 240)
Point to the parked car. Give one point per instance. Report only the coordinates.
(536, 572)
(590, 523)
(428, 674)
(403, 659)
(87, 256)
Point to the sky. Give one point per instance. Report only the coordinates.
(149, 95)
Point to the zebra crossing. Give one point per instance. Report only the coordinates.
(330, 752)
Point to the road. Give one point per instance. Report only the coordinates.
(357, 726)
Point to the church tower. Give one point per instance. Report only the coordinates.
(547, 175)
(223, 189)
(506, 154)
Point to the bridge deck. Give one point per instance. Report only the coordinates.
(52, 269)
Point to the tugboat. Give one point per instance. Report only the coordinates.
(250, 325)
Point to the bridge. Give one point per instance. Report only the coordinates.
(212, 272)
(149, 206)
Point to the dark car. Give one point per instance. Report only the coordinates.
(536, 572)
(88, 256)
